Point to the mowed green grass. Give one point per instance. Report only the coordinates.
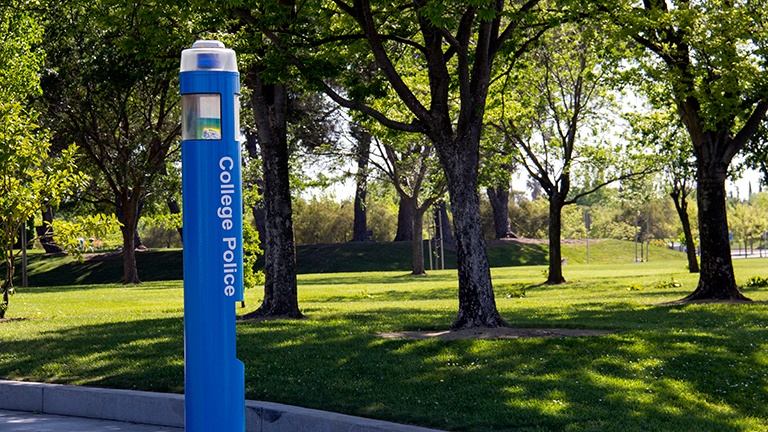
(667, 368)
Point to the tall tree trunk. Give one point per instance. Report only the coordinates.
(404, 222)
(360, 226)
(120, 214)
(499, 198)
(717, 280)
(129, 209)
(444, 224)
(681, 205)
(270, 103)
(477, 304)
(45, 232)
(555, 231)
(418, 241)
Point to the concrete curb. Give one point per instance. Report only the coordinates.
(164, 409)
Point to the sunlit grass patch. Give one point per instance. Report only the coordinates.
(668, 368)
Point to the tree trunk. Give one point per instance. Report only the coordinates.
(444, 224)
(129, 211)
(404, 222)
(269, 103)
(45, 233)
(717, 280)
(418, 241)
(120, 214)
(555, 231)
(360, 226)
(681, 204)
(477, 304)
(499, 198)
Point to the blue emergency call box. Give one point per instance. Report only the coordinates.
(214, 378)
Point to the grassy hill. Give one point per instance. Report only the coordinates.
(166, 264)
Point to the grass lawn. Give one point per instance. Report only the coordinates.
(668, 368)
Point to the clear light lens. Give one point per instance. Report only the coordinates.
(208, 56)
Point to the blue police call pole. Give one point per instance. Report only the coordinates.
(213, 238)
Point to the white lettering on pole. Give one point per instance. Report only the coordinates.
(225, 213)
(227, 190)
(229, 266)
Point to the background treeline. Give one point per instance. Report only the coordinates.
(327, 219)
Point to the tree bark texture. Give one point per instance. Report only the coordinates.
(269, 103)
(404, 221)
(45, 232)
(128, 214)
(555, 277)
(499, 198)
(717, 280)
(360, 225)
(477, 303)
(681, 205)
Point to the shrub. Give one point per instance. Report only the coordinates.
(757, 282)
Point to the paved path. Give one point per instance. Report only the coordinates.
(17, 421)
(66, 408)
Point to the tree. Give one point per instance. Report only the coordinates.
(30, 178)
(662, 131)
(360, 226)
(495, 174)
(408, 163)
(454, 48)
(110, 87)
(269, 102)
(708, 60)
(569, 84)
(404, 221)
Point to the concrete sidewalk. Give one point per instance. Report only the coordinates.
(64, 408)
(18, 421)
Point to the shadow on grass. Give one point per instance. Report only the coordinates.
(64, 270)
(141, 354)
(669, 368)
(663, 379)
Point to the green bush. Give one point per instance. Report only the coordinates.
(757, 282)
